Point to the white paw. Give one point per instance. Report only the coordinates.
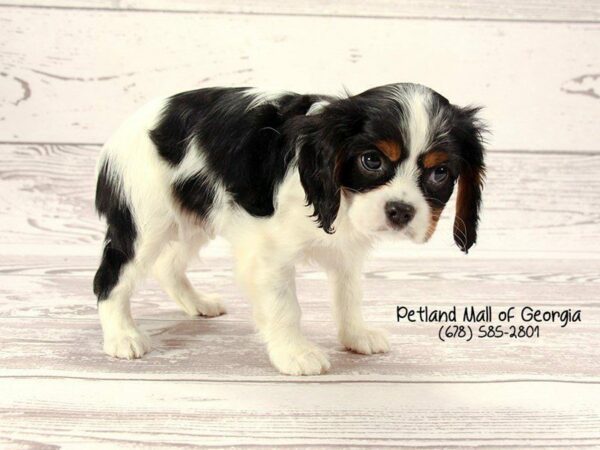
(366, 340)
(207, 305)
(299, 359)
(129, 345)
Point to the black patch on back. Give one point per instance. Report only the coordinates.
(195, 194)
(120, 234)
(244, 149)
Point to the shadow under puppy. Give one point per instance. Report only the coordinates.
(283, 177)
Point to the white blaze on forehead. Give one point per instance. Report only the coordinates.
(407, 170)
(416, 120)
(417, 129)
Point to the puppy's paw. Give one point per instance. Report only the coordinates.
(130, 345)
(299, 359)
(366, 340)
(207, 305)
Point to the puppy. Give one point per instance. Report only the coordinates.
(283, 177)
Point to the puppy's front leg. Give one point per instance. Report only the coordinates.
(272, 290)
(345, 278)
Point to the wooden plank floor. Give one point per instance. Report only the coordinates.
(71, 70)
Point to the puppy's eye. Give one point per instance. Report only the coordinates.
(438, 176)
(371, 161)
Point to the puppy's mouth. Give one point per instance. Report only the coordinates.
(414, 236)
(408, 232)
(389, 232)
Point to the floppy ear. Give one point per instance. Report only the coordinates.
(468, 133)
(317, 165)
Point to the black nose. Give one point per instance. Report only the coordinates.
(399, 213)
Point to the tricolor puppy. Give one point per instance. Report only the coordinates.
(283, 178)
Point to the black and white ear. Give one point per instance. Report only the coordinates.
(469, 135)
(324, 135)
(317, 165)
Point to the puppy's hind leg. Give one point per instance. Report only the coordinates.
(169, 269)
(122, 338)
(128, 253)
(122, 265)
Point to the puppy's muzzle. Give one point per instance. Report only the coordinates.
(399, 214)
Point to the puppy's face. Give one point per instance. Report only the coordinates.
(403, 197)
(395, 154)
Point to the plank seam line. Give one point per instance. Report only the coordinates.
(494, 151)
(290, 14)
(381, 441)
(318, 380)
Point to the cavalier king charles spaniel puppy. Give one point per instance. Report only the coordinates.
(283, 177)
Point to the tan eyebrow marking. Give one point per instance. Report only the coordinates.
(435, 158)
(390, 149)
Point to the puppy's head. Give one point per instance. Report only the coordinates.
(394, 153)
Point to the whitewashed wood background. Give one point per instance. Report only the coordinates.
(70, 71)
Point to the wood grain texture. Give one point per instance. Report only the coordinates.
(48, 190)
(217, 349)
(47, 287)
(531, 10)
(93, 68)
(63, 335)
(52, 411)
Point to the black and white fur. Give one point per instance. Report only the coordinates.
(283, 177)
